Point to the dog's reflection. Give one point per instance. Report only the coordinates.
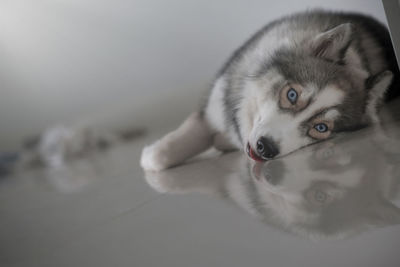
(331, 190)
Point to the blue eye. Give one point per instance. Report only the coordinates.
(321, 127)
(292, 96)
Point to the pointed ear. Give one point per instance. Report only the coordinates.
(333, 44)
(377, 86)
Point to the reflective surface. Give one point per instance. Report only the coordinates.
(332, 204)
(335, 189)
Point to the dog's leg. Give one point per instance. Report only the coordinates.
(191, 138)
(222, 143)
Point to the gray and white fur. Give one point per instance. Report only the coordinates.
(299, 80)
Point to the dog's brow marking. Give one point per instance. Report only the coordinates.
(331, 114)
(327, 98)
(272, 80)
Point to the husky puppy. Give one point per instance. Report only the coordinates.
(299, 80)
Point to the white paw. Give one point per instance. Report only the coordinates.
(153, 158)
(158, 181)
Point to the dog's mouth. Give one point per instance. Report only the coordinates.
(253, 155)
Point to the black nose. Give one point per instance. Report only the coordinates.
(266, 148)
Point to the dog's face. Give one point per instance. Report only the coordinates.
(306, 94)
(288, 112)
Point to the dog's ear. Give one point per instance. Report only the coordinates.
(333, 43)
(377, 85)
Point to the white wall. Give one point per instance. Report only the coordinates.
(122, 62)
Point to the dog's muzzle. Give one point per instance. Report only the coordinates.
(266, 149)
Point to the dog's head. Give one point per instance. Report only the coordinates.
(308, 92)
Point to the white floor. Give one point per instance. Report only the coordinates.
(334, 204)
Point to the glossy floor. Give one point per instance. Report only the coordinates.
(332, 204)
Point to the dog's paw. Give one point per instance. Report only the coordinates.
(154, 158)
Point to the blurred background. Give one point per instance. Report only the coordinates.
(122, 63)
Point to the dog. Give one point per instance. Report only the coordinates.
(301, 79)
